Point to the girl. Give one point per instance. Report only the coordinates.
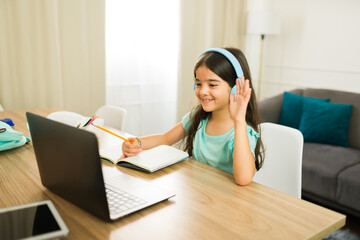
(221, 131)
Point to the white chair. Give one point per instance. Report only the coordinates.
(282, 166)
(69, 118)
(1, 108)
(113, 116)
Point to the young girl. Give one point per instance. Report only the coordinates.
(221, 131)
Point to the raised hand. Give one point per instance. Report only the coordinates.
(238, 106)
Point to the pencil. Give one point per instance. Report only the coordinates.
(108, 131)
(92, 120)
(87, 122)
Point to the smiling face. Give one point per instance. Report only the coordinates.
(211, 91)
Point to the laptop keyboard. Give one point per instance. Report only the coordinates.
(120, 201)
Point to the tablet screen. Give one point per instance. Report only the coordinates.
(30, 221)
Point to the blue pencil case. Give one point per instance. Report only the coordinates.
(8, 121)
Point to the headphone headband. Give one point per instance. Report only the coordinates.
(234, 62)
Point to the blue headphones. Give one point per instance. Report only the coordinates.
(234, 62)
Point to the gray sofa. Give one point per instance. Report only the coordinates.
(330, 174)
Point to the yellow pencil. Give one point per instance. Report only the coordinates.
(108, 131)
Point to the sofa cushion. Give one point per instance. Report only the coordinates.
(322, 164)
(291, 110)
(346, 98)
(348, 191)
(324, 122)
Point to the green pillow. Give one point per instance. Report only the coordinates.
(291, 109)
(325, 122)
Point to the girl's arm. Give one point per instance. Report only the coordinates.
(243, 159)
(169, 138)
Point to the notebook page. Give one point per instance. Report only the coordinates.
(157, 157)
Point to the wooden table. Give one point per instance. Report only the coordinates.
(208, 204)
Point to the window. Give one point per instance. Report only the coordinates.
(142, 41)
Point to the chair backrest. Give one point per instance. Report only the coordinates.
(113, 116)
(69, 118)
(282, 166)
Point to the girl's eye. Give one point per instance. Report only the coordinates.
(213, 85)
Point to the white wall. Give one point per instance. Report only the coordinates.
(318, 47)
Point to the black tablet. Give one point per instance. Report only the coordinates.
(38, 220)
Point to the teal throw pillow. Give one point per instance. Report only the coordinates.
(291, 109)
(325, 122)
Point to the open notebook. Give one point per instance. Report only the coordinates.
(147, 160)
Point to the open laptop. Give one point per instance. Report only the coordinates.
(70, 166)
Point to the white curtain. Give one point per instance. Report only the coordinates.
(52, 54)
(206, 24)
(142, 39)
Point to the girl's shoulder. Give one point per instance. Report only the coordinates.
(186, 121)
(252, 137)
(251, 131)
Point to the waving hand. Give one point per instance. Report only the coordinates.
(238, 106)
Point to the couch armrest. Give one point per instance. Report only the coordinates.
(270, 109)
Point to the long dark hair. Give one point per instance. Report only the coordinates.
(222, 67)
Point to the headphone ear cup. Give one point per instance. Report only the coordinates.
(194, 86)
(233, 91)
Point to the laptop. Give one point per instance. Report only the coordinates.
(70, 166)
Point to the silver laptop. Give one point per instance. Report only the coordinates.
(70, 166)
